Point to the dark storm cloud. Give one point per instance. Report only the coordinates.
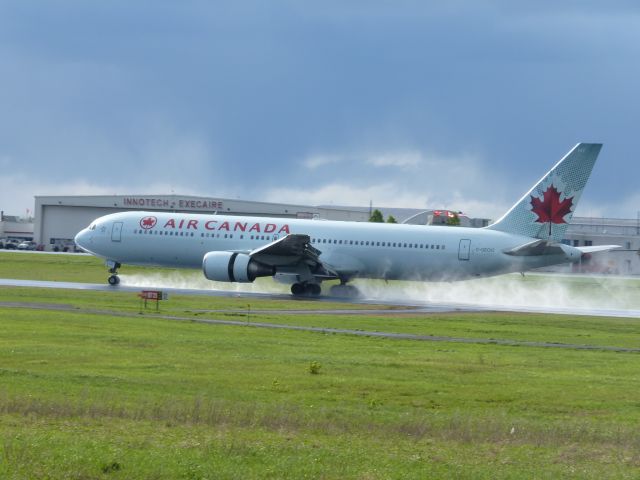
(236, 98)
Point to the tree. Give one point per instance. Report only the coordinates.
(391, 219)
(376, 216)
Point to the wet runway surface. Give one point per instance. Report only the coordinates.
(403, 305)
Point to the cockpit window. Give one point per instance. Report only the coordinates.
(92, 227)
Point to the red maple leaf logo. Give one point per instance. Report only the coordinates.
(148, 222)
(550, 208)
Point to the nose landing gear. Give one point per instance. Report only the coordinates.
(114, 279)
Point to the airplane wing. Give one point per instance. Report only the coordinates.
(291, 251)
(288, 250)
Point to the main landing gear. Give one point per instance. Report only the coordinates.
(306, 289)
(310, 289)
(114, 279)
(344, 291)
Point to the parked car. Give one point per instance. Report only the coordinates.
(67, 247)
(27, 245)
(11, 244)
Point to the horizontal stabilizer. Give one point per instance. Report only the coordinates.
(534, 248)
(598, 248)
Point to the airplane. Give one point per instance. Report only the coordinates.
(304, 253)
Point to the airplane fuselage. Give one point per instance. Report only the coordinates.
(364, 250)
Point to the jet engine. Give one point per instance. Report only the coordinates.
(234, 267)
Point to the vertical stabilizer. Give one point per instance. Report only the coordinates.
(545, 211)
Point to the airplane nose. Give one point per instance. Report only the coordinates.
(82, 239)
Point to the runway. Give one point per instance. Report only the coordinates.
(411, 306)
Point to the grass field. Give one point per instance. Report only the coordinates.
(100, 390)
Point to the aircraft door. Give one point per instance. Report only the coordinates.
(116, 232)
(464, 249)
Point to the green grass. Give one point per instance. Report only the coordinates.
(68, 268)
(102, 391)
(160, 399)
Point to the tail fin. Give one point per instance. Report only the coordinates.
(545, 211)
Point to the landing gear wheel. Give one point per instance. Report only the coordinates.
(313, 289)
(345, 291)
(306, 289)
(113, 270)
(297, 289)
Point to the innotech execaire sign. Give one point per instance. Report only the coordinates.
(179, 203)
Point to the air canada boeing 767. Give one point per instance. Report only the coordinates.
(304, 253)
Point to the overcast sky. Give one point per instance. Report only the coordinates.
(459, 105)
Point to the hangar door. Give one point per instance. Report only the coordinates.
(116, 232)
(464, 249)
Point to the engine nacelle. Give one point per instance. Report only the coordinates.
(234, 267)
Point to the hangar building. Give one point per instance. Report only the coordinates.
(59, 218)
(15, 227)
(588, 231)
